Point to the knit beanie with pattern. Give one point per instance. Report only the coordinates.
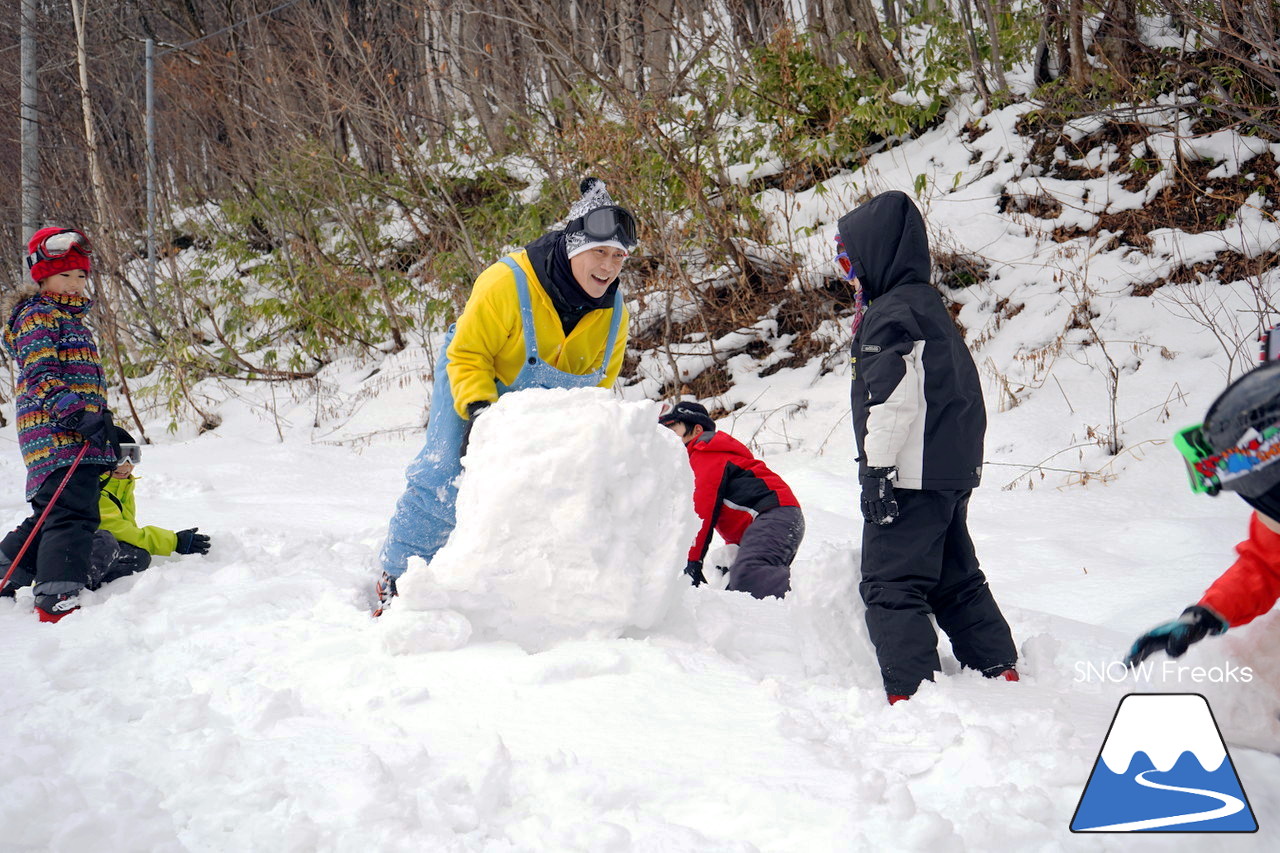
(594, 194)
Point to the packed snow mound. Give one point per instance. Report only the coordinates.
(575, 514)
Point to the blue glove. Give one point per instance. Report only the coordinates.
(693, 569)
(1174, 638)
(879, 506)
(92, 426)
(190, 542)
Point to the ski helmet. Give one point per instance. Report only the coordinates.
(1242, 427)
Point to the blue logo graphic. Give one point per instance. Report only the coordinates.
(1164, 768)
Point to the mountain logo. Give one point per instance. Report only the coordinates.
(1164, 768)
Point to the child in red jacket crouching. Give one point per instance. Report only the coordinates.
(1236, 449)
(741, 499)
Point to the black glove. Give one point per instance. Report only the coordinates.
(190, 542)
(693, 569)
(473, 410)
(113, 435)
(94, 427)
(879, 506)
(1173, 638)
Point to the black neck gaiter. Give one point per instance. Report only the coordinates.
(551, 262)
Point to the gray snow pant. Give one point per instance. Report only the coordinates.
(922, 563)
(763, 564)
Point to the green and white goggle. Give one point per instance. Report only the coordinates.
(1210, 472)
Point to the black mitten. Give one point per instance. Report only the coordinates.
(190, 542)
(473, 410)
(92, 426)
(879, 506)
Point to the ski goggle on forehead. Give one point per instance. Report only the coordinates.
(607, 223)
(59, 245)
(1209, 471)
(845, 262)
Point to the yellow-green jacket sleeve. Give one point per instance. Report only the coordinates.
(119, 518)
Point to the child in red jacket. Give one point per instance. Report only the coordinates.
(1236, 449)
(745, 502)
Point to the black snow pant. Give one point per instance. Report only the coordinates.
(922, 563)
(113, 559)
(59, 554)
(763, 564)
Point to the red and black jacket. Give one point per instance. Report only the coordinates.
(1252, 585)
(730, 488)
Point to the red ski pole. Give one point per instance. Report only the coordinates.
(40, 521)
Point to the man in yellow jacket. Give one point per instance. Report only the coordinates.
(548, 316)
(121, 547)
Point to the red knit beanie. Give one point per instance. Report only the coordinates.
(72, 260)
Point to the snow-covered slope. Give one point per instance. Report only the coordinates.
(246, 701)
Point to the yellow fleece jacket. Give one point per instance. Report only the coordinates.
(120, 518)
(488, 344)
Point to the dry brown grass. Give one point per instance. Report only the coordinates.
(1226, 266)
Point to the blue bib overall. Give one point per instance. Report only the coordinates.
(424, 516)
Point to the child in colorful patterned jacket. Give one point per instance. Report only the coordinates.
(61, 402)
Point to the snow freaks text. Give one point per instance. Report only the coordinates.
(1164, 670)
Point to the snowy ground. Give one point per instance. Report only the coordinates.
(247, 701)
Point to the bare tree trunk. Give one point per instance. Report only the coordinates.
(104, 233)
(993, 34)
(629, 67)
(1117, 37)
(869, 53)
(1049, 59)
(90, 131)
(435, 29)
(1075, 36)
(975, 58)
(754, 21)
(821, 28)
(470, 25)
(658, 31)
(891, 21)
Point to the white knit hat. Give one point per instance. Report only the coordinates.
(594, 194)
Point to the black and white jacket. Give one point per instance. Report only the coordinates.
(917, 401)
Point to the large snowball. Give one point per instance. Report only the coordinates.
(575, 515)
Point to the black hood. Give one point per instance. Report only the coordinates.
(886, 241)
